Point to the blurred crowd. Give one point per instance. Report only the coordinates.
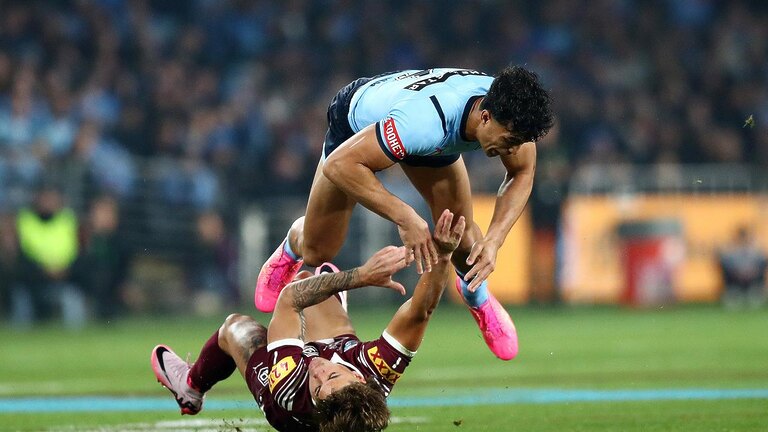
(57, 264)
(229, 97)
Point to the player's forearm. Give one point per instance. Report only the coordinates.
(314, 290)
(360, 183)
(430, 288)
(410, 322)
(510, 202)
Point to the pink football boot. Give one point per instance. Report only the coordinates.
(275, 274)
(496, 326)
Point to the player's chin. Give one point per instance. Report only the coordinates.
(491, 153)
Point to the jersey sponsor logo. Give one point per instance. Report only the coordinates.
(418, 85)
(384, 369)
(263, 376)
(310, 351)
(348, 345)
(392, 138)
(280, 370)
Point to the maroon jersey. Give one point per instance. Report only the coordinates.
(278, 378)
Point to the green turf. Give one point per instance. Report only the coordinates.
(560, 348)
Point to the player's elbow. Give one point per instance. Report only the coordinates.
(333, 169)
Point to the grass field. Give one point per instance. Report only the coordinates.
(693, 368)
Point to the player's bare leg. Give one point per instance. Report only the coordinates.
(326, 221)
(239, 337)
(230, 347)
(315, 238)
(448, 187)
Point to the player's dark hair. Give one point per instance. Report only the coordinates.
(357, 407)
(517, 101)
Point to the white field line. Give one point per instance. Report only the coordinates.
(206, 425)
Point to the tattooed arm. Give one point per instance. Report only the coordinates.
(308, 290)
(314, 290)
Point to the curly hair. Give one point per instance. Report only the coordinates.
(517, 101)
(357, 407)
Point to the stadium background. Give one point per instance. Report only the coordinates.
(207, 116)
(186, 107)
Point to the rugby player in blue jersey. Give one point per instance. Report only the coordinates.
(422, 121)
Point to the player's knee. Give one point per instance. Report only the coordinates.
(241, 330)
(229, 323)
(234, 318)
(234, 322)
(297, 230)
(471, 235)
(333, 168)
(314, 256)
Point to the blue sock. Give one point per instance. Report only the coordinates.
(289, 251)
(477, 298)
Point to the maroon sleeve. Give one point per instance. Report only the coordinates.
(384, 358)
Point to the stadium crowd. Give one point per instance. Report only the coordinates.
(229, 97)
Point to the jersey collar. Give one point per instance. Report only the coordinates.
(465, 116)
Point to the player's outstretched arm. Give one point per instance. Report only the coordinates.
(303, 293)
(510, 201)
(410, 322)
(351, 167)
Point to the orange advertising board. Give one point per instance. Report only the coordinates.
(592, 268)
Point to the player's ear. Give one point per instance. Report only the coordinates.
(485, 116)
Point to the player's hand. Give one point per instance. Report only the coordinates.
(379, 268)
(482, 258)
(417, 238)
(447, 238)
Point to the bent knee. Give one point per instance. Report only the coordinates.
(234, 319)
(471, 234)
(314, 256)
(241, 330)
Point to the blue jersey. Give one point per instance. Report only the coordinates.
(419, 113)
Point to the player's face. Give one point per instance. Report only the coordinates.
(494, 138)
(326, 377)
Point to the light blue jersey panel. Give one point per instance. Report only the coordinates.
(419, 113)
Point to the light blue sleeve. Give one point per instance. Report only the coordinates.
(412, 127)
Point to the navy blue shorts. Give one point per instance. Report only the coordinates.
(340, 131)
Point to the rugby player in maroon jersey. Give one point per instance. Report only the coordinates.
(307, 370)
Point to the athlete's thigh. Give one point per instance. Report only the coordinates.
(326, 220)
(326, 321)
(443, 188)
(448, 187)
